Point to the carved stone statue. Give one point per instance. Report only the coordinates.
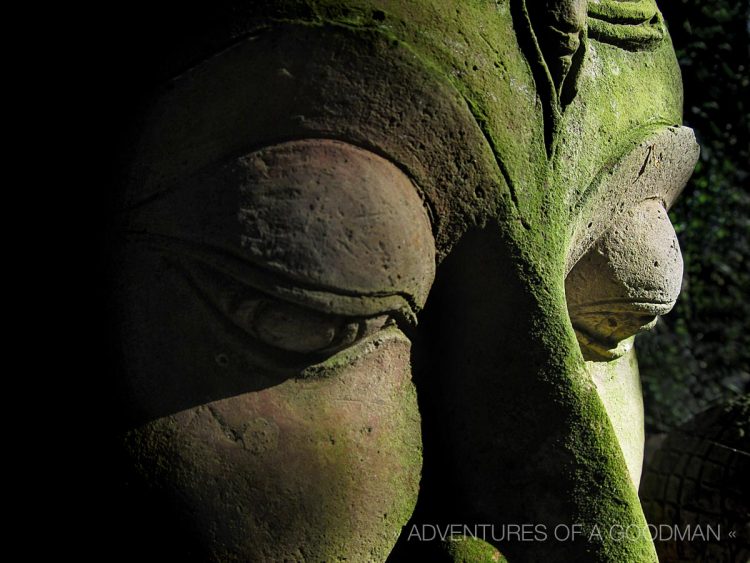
(382, 262)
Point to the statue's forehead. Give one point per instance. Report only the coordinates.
(453, 100)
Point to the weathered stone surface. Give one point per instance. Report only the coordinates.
(320, 469)
(295, 190)
(631, 275)
(332, 215)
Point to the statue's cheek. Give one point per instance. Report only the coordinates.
(329, 465)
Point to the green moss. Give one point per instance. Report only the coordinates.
(622, 95)
(473, 550)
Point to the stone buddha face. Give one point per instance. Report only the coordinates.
(382, 261)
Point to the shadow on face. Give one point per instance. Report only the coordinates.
(267, 301)
(267, 378)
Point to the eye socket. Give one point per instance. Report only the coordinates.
(297, 329)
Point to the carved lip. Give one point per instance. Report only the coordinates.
(623, 306)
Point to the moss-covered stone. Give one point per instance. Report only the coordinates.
(473, 550)
(511, 166)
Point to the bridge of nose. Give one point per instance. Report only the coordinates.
(511, 419)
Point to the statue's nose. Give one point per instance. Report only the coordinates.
(514, 431)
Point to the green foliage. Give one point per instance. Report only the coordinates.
(700, 352)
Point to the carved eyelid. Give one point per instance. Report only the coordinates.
(332, 215)
(657, 167)
(235, 270)
(231, 286)
(630, 276)
(332, 243)
(284, 325)
(195, 258)
(316, 222)
(304, 331)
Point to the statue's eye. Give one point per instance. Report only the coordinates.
(287, 326)
(293, 328)
(302, 249)
(628, 278)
